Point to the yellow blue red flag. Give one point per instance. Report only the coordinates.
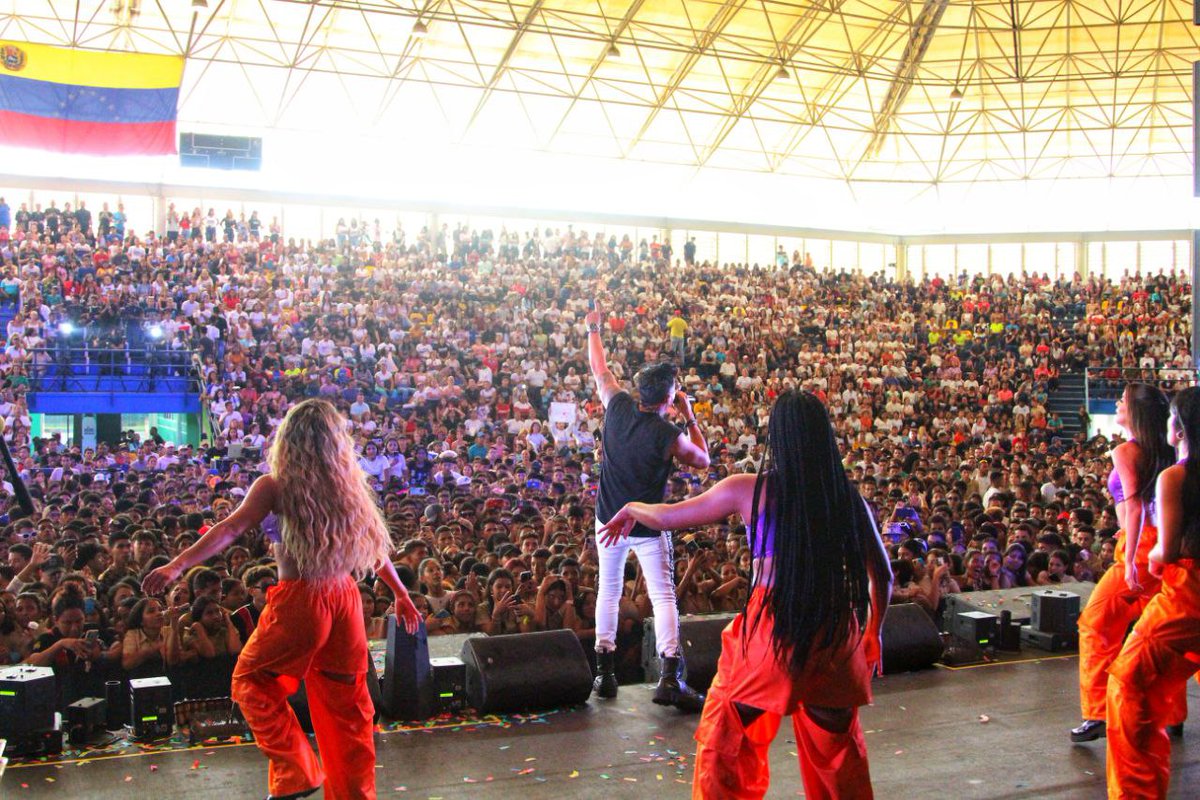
(84, 101)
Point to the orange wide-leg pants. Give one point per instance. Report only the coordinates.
(312, 632)
(1105, 622)
(1151, 671)
(753, 691)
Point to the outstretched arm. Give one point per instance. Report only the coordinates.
(732, 495)
(606, 384)
(258, 503)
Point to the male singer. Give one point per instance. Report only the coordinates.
(639, 447)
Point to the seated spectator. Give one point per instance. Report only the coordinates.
(460, 616)
(213, 634)
(144, 650)
(555, 606)
(259, 581)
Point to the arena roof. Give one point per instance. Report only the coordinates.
(857, 90)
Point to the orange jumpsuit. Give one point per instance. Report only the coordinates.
(1105, 621)
(1154, 665)
(731, 757)
(312, 632)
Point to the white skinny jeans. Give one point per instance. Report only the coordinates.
(656, 557)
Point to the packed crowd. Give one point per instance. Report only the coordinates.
(458, 358)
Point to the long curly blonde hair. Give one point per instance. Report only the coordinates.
(331, 524)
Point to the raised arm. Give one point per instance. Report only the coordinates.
(606, 384)
(259, 502)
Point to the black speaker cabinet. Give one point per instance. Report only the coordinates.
(407, 678)
(150, 708)
(700, 641)
(86, 718)
(977, 627)
(1055, 612)
(525, 671)
(27, 700)
(449, 684)
(910, 639)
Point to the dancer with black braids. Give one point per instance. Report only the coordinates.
(809, 639)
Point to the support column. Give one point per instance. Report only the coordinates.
(901, 262)
(1196, 298)
(1081, 259)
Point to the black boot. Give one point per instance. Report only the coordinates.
(1175, 731)
(1089, 731)
(293, 795)
(672, 691)
(605, 684)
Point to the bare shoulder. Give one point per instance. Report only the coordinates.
(1126, 452)
(1172, 477)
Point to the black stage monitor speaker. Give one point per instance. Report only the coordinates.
(150, 708)
(27, 700)
(525, 671)
(910, 639)
(407, 678)
(700, 640)
(1055, 612)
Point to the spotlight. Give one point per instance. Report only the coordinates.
(419, 30)
(782, 73)
(613, 52)
(956, 96)
(199, 3)
(66, 328)
(156, 332)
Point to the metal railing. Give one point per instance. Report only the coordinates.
(69, 368)
(1107, 383)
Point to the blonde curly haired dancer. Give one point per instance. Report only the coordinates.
(330, 532)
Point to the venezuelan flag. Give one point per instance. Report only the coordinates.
(80, 101)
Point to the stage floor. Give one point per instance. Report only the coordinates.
(926, 735)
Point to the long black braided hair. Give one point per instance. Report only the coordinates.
(820, 525)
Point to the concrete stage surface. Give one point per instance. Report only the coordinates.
(926, 734)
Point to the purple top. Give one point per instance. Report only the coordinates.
(763, 545)
(270, 528)
(1115, 487)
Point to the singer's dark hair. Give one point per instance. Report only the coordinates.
(821, 527)
(1148, 411)
(1186, 408)
(654, 382)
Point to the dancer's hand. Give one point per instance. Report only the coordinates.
(873, 650)
(408, 614)
(617, 528)
(1132, 579)
(158, 580)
